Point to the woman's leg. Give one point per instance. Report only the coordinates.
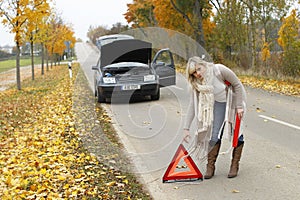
(215, 142)
(219, 116)
(236, 156)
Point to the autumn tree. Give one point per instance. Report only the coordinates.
(140, 14)
(117, 28)
(289, 40)
(39, 12)
(42, 37)
(195, 12)
(230, 35)
(59, 34)
(262, 12)
(191, 17)
(98, 31)
(268, 10)
(16, 14)
(172, 20)
(265, 55)
(95, 32)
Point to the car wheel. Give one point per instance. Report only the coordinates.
(96, 93)
(96, 88)
(156, 96)
(101, 98)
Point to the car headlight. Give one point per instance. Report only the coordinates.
(109, 80)
(149, 78)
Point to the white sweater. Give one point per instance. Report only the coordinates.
(219, 90)
(239, 95)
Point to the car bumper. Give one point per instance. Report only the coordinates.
(146, 89)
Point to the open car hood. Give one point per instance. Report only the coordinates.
(131, 50)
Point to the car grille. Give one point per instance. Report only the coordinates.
(130, 79)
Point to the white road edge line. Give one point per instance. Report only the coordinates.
(280, 122)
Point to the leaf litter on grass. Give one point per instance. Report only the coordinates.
(47, 154)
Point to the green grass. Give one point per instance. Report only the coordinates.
(10, 64)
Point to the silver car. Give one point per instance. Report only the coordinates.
(103, 40)
(125, 68)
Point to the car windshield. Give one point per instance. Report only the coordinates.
(126, 67)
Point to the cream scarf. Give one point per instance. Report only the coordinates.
(205, 97)
(205, 106)
(204, 111)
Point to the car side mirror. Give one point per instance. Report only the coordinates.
(94, 68)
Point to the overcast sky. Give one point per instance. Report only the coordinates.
(81, 15)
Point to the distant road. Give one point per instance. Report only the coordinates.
(152, 130)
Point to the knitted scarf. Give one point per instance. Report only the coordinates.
(205, 98)
(205, 106)
(204, 110)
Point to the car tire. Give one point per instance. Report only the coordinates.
(96, 89)
(156, 96)
(101, 98)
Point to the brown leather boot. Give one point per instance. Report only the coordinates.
(236, 156)
(211, 160)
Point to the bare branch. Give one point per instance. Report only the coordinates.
(216, 5)
(182, 13)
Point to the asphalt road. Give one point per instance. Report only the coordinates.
(152, 130)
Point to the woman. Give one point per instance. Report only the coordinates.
(217, 96)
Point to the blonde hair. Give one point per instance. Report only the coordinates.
(191, 69)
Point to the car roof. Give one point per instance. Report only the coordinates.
(115, 36)
(100, 41)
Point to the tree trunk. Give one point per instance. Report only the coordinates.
(47, 59)
(252, 33)
(199, 34)
(18, 76)
(198, 28)
(52, 58)
(43, 57)
(32, 59)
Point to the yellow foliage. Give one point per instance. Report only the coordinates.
(59, 35)
(145, 13)
(42, 156)
(139, 13)
(265, 52)
(23, 16)
(35, 164)
(283, 87)
(167, 16)
(288, 32)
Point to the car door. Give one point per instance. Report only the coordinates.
(97, 75)
(163, 64)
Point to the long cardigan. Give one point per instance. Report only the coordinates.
(238, 100)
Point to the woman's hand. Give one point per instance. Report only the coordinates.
(240, 112)
(186, 136)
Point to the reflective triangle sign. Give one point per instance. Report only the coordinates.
(188, 171)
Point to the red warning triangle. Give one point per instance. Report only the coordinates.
(193, 173)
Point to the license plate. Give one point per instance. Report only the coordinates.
(131, 87)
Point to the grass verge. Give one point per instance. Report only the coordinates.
(52, 146)
(10, 64)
